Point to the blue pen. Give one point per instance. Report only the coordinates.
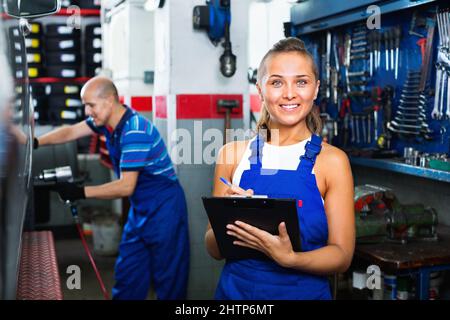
(226, 182)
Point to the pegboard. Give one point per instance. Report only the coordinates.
(409, 60)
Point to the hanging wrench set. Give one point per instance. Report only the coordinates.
(441, 108)
(383, 88)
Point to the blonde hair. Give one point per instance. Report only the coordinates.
(291, 44)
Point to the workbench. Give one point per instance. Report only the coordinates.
(416, 257)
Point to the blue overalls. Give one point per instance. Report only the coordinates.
(155, 242)
(258, 279)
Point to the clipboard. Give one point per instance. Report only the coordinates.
(263, 213)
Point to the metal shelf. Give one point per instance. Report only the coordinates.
(64, 12)
(402, 168)
(82, 12)
(313, 16)
(57, 80)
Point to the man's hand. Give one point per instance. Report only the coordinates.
(70, 191)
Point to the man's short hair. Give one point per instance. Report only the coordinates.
(106, 89)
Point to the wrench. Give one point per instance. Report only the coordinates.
(445, 29)
(347, 46)
(391, 128)
(359, 44)
(421, 110)
(435, 112)
(398, 34)
(391, 44)
(371, 63)
(359, 57)
(421, 101)
(363, 122)
(439, 24)
(328, 65)
(358, 74)
(378, 40)
(406, 120)
(412, 106)
(448, 27)
(360, 33)
(386, 48)
(415, 120)
(402, 114)
(353, 128)
(375, 122)
(407, 126)
(362, 50)
(357, 128)
(441, 101)
(347, 81)
(411, 95)
(412, 116)
(448, 99)
(412, 126)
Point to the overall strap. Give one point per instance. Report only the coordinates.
(312, 149)
(256, 152)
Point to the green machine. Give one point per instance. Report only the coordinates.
(381, 217)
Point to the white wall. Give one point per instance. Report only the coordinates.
(265, 28)
(190, 62)
(128, 46)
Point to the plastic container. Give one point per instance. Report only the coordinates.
(106, 233)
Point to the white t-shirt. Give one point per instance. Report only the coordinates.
(274, 157)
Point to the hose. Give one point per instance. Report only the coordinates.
(74, 211)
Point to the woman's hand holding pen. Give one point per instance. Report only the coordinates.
(279, 248)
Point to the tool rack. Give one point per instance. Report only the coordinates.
(327, 26)
(391, 76)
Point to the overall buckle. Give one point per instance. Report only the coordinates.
(311, 151)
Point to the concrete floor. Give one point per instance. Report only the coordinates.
(71, 252)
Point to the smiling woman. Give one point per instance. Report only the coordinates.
(288, 72)
(301, 167)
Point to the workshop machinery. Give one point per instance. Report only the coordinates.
(412, 222)
(395, 75)
(442, 92)
(215, 19)
(381, 217)
(54, 177)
